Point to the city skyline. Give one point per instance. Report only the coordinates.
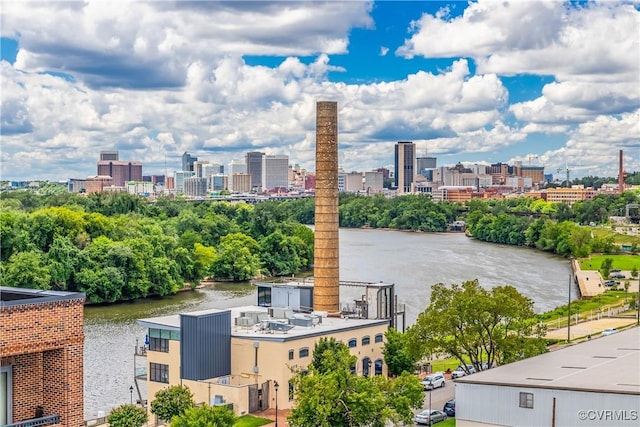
(542, 82)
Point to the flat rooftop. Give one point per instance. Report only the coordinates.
(606, 364)
(10, 297)
(326, 326)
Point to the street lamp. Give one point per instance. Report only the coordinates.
(131, 393)
(275, 386)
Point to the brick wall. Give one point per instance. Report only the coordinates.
(43, 342)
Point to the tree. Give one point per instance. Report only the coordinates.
(478, 325)
(127, 416)
(237, 258)
(332, 396)
(205, 415)
(634, 272)
(172, 401)
(396, 353)
(26, 270)
(605, 267)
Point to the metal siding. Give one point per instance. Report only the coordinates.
(205, 346)
(500, 405)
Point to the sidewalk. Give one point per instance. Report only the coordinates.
(271, 413)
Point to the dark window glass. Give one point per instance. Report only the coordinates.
(159, 373)
(379, 338)
(526, 400)
(304, 352)
(159, 344)
(353, 343)
(290, 354)
(378, 367)
(366, 340)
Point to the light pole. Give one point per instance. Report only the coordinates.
(430, 390)
(275, 386)
(131, 393)
(569, 315)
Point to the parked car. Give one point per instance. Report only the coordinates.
(433, 381)
(611, 283)
(450, 408)
(609, 331)
(617, 275)
(430, 417)
(469, 368)
(458, 373)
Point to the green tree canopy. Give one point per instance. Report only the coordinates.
(332, 396)
(205, 416)
(473, 324)
(396, 352)
(172, 401)
(127, 416)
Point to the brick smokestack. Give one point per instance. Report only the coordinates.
(326, 269)
(620, 175)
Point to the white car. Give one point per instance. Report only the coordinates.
(433, 381)
(609, 331)
(458, 373)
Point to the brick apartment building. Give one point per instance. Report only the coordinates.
(41, 357)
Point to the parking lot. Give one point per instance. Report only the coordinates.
(439, 396)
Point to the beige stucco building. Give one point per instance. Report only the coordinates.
(235, 356)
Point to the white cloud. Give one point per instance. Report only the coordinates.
(384, 50)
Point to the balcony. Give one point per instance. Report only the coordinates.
(33, 422)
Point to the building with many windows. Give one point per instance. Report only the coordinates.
(188, 162)
(234, 356)
(405, 166)
(41, 357)
(275, 172)
(253, 160)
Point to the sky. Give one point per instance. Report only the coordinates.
(547, 83)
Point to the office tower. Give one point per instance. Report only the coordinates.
(240, 183)
(179, 177)
(187, 162)
(121, 171)
(195, 186)
(236, 167)
(253, 160)
(405, 163)
(197, 168)
(108, 155)
(275, 172)
(326, 270)
(425, 166)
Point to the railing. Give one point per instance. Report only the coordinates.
(42, 421)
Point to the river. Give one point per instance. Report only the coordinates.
(413, 261)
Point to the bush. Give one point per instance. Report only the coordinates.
(127, 416)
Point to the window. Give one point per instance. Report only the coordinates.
(352, 343)
(6, 405)
(159, 372)
(304, 352)
(159, 339)
(526, 400)
(366, 340)
(290, 391)
(378, 367)
(290, 354)
(379, 338)
(159, 344)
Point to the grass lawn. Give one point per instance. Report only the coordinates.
(251, 421)
(449, 422)
(620, 262)
(607, 299)
(617, 237)
(441, 365)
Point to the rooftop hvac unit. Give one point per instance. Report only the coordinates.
(301, 321)
(244, 321)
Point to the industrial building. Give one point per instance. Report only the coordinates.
(594, 383)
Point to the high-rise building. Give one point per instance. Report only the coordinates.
(180, 176)
(253, 160)
(187, 162)
(405, 164)
(237, 167)
(109, 155)
(121, 171)
(275, 172)
(240, 183)
(195, 186)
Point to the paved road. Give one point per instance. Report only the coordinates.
(439, 396)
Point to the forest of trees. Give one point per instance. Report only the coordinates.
(119, 247)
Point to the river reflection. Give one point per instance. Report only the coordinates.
(413, 261)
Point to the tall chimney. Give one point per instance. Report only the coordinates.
(326, 264)
(620, 175)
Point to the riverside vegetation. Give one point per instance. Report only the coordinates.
(116, 247)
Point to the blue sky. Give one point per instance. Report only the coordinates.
(551, 83)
